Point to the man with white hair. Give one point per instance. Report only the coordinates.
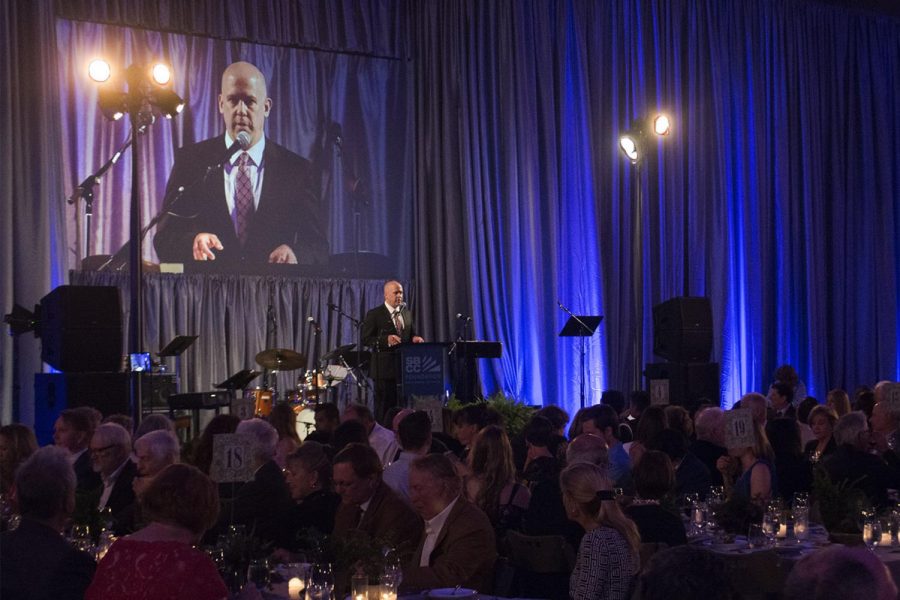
(262, 502)
(852, 463)
(709, 425)
(110, 450)
(154, 452)
(37, 560)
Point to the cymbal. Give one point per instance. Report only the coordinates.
(280, 359)
(337, 352)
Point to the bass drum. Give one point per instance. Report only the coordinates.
(306, 419)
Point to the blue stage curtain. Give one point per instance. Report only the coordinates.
(776, 193)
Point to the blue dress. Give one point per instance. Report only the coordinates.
(742, 485)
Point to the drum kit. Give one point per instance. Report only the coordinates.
(313, 386)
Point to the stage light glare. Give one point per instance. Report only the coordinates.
(99, 70)
(161, 74)
(661, 124)
(629, 146)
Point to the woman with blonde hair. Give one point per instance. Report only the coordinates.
(492, 483)
(609, 555)
(17, 443)
(838, 400)
(749, 473)
(284, 420)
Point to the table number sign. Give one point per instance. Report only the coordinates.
(232, 457)
(739, 428)
(659, 392)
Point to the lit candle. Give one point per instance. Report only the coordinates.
(295, 588)
(782, 530)
(389, 596)
(885, 539)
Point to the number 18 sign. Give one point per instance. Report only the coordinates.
(739, 428)
(232, 457)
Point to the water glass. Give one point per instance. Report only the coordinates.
(871, 531)
(698, 517)
(801, 524)
(258, 573)
(755, 536)
(801, 500)
(770, 526)
(321, 582)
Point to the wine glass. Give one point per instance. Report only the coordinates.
(393, 572)
(871, 531)
(258, 573)
(321, 581)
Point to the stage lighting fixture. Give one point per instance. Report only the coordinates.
(168, 102)
(661, 125)
(112, 103)
(99, 70)
(161, 74)
(628, 142)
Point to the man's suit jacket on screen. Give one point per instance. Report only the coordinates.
(288, 211)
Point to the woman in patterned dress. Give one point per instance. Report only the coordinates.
(609, 554)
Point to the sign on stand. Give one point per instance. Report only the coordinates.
(232, 457)
(739, 428)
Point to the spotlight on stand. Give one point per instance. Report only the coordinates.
(21, 320)
(661, 124)
(628, 143)
(112, 103)
(161, 74)
(168, 102)
(99, 70)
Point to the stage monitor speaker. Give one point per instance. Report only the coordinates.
(689, 383)
(682, 329)
(107, 392)
(81, 329)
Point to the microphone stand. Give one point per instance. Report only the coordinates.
(85, 191)
(361, 382)
(585, 327)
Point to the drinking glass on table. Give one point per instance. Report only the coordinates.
(755, 536)
(258, 573)
(871, 531)
(770, 526)
(321, 582)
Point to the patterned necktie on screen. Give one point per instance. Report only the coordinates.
(398, 323)
(243, 198)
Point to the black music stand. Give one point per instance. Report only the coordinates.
(176, 348)
(584, 327)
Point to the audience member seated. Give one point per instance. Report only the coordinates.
(603, 421)
(368, 504)
(492, 485)
(691, 475)
(381, 439)
(261, 503)
(865, 402)
(73, 430)
(803, 411)
(457, 547)
(543, 446)
(546, 514)
(154, 452)
(638, 402)
(202, 454)
(838, 400)
(794, 473)
(679, 419)
(885, 435)
(558, 418)
(840, 572)
(852, 463)
(349, 432)
(822, 420)
(111, 458)
(652, 421)
(308, 476)
(284, 420)
(125, 421)
(327, 420)
(709, 427)
(654, 481)
(758, 405)
(17, 443)
(160, 560)
(154, 422)
(789, 376)
(37, 562)
(608, 557)
(615, 400)
(469, 420)
(748, 473)
(781, 396)
(414, 433)
(685, 573)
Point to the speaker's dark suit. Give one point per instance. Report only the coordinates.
(384, 367)
(39, 564)
(288, 210)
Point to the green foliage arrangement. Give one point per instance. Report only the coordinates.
(515, 412)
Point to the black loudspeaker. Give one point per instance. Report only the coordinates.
(81, 329)
(682, 329)
(107, 392)
(688, 382)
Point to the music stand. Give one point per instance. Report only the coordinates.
(175, 348)
(584, 327)
(239, 380)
